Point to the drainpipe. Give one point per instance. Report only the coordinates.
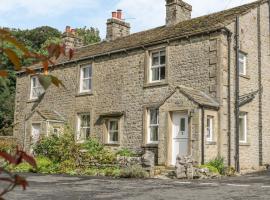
(203, 131)
(260, 85)
(236, 157)
(229, 40)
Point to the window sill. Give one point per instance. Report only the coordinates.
(150, 145)
(112, 144)
(244, 76)
(32, 100)
(244, 144)
(84, 94)
(155, 84)
(210, 143)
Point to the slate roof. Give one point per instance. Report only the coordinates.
(50, 115)
(199, 97)
(246, 98)
(207, 23)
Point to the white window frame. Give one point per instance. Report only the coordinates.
(88, 78)
(113, 131)
(210, 128)
(149, 126)
(156, 66)
(244, 62)
(244, 117)
(79, 122)
(38, 86)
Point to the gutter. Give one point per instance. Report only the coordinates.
(202, 139)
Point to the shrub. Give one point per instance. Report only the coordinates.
(58, 149)
(133, 171)
(93, 146)
(67, 166)
(211, 168)
(218, 163)
(125, 152)
(7, 145)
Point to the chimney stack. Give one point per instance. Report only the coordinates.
(71, 39)
(177, 11)
(116, 26)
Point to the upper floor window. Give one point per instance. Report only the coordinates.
(209, 129)
(83, 128)
(243, 127)
(113, 131)
(86, 78)
(242, 64)
(36, 88)
(153, 125)
(157, 66)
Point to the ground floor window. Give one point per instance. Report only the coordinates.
(243, 127)
(83, 128)
(210, 129)
(113, 131)
(153, 125)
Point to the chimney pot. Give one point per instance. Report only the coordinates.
(114, 14)
(67, 29)
(119, 14)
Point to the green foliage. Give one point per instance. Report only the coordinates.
(134, 171)
(88, 35)
(125, 152)
(67, 167)
(56, 148)
(108, 171)
(218, 163)
(93, 146)
(7, 146)
(211, 168)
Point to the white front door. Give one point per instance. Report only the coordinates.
(35, 133)
(180, 137)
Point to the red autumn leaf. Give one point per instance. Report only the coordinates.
(13, 58)
(3, 73)
(29, 159)
(45, 64)
(30, 71)
(21, 181)
(70, 53)
(8, 157)
(17, 44)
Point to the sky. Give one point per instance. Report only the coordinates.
(142, 14)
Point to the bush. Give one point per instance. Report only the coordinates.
(93, 146)
(67, 166)
(218, 163)
(125, 152)
(134, 171)
(7, 145)
(58, 149)
(211, 168)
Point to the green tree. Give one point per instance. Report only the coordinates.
(88, 35)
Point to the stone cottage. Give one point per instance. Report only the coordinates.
(174, 89)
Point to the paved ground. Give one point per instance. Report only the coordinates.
(256, 186)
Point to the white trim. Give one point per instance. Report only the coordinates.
(211, 128)
(88, 78)
(113, 131)
(159, 66)
(149, 125)
(244, 117)
(78, 132)
(38, 87)
(244, 62)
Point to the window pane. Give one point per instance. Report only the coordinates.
(113, 125)
(154, 133)
(155, 74)
(86, 84)
(113, 136)
(162, 73)
(241, 129)
(162, 60)
(155, 59)
(34, 82)
(182, 124)
(153, 116)
(241, 67)
(87, 72)
(85, 120)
